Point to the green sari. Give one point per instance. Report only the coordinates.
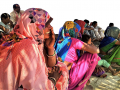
(112, 50)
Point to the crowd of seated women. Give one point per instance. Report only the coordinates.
(31, 58)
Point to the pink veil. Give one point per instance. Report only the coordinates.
(22, 63)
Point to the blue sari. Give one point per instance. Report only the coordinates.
(106, 41)
(63, 41)
(83, 67)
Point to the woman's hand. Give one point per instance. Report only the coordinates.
(11, 24)
(4, 29)
(100, 68)
(49, 38)
(68, 64)
(50, 41)
(55, 72)
(97, 66)
(90, 48)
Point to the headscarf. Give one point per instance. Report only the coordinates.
(68, 31)
(82, 25)
(106, 41)
(34, 19)
(113, 32)
(91, 23)
(21, 55)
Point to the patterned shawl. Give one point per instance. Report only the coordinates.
(68, 31)
(21, 53)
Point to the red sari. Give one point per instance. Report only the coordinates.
(81, 24)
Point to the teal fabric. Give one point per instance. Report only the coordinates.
(104, 63)
(85, 25)
(113, 32)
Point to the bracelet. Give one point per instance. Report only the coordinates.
(52, 79)
(51, 55)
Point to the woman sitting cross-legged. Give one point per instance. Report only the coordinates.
(67, 44)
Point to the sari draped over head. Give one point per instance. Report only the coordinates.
(21, 54)
(81, 24)
(113, 32)
(68, 31)
(66, 47)
(112, 50)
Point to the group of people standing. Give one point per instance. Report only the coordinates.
(31, 59)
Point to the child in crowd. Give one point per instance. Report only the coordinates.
(102, 62)
(6, 24)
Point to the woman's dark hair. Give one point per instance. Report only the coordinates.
(0, 34)
(75, 20)
(94, 22)
(111, 24)
(85, 38)
(86, 21)
(5, 15)
(14, 6)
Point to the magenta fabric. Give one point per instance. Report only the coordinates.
(82, 70)
(72, 55)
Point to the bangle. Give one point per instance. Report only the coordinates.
(51, 55)
(52, 79)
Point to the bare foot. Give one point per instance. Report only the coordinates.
(103, 75)
(114, 65)
(88, 87)
(116, 73)
(111, 71)
(88, 82)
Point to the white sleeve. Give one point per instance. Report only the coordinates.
(92, 27)
(12, 18)
(95, 29)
